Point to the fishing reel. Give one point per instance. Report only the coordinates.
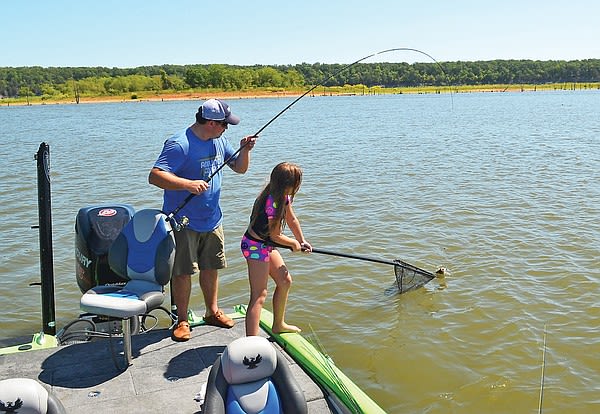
(178, 225)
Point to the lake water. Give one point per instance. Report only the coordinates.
(502, 189)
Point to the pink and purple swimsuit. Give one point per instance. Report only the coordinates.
(258, 249)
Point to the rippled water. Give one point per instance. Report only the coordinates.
(502, 189)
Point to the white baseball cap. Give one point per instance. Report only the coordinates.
(217, 110)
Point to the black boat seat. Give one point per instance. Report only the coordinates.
(143, 254)
(252, 376)
(25, 395)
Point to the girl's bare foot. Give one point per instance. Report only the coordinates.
(285, 328)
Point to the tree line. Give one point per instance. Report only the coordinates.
(61, 82)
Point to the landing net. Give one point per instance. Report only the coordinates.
(409, 277)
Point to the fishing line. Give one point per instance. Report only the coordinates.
(171, 216)
(346, 68)
(543, 373)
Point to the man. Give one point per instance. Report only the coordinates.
(186, 165)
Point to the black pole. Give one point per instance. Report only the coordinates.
(353, 256)
(45, 229)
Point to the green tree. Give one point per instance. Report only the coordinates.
(196, 77)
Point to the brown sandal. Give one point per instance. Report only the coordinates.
(219, 319)
(182, 332)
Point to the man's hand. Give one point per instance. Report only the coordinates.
(248, 142)
(197, 186)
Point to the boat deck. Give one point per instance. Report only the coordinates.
(165, 376)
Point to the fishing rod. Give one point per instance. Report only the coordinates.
(183, 222)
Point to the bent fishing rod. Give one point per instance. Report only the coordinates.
(179, 225)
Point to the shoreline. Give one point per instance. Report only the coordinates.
(185, 96)
(256, 94)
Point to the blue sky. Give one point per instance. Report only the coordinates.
(130, 33)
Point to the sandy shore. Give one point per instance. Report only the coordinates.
(202, 96)
(162, 97)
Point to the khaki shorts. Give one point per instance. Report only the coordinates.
(199, 251)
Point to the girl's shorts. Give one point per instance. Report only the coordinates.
(254, 249)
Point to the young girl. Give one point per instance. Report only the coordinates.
(271, 212)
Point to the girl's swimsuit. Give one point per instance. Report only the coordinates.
(257, 249)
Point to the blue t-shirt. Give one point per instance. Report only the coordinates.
(187, 156)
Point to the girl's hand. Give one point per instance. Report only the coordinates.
(306, 247)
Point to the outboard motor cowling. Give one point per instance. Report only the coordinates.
(96, 228)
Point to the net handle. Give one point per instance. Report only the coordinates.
(352, 256)
(396, 263)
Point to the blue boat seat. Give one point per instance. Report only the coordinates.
(143, 253)
(25, 395)
(250, 377)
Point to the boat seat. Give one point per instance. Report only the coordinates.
(143, 254)
(25, 395)
(252, 376)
